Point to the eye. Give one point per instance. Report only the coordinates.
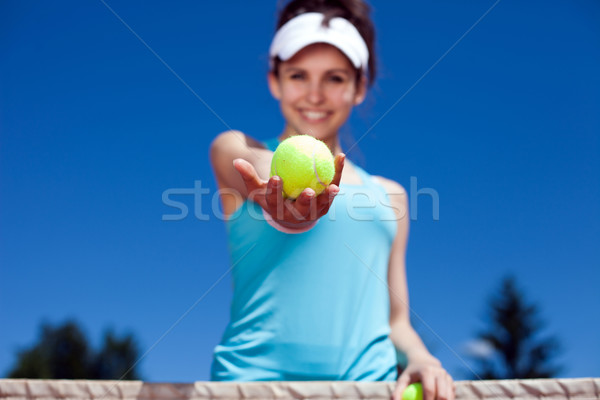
(297, 76)
(337, 79)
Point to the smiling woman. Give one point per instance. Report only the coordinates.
(317, 89)
(328, 302)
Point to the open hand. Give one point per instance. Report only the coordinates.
(298, 213)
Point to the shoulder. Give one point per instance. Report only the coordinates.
(229, 145)
(397, 195)
(232, 140)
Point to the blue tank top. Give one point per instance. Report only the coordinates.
(315, 305)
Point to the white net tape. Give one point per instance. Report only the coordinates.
(28, 389)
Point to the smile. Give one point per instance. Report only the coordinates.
(314, 116)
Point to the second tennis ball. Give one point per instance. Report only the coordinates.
(301, 162)
(414, 391)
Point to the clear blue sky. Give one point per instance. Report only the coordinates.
(94, 128)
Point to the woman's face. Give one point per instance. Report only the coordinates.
(316, 89)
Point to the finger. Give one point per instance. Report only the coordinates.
(429, 388)
(398, 392)
(325, 199)
(401, 385)
(451, 387)
(339, 166)
(249, 175)
(274, 197)
(305, 205)
(443, 392)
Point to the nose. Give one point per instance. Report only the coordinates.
(315, 93)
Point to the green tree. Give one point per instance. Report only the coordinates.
(63, 352)
(518, 349)
(117, 359)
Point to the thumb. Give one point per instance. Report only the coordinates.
(401, 384)
(249, 175)
(339, 166)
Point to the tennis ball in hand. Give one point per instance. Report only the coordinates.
(414, 391)
(301, 162)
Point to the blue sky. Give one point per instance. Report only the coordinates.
(94, 128)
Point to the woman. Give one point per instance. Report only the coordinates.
(319, 282)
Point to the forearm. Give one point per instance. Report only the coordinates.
(406, 340)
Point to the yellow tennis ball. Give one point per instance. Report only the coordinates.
(414, 391)
(301, 162)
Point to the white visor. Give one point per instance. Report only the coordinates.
(307, 29)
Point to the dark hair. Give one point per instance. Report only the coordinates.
(355, 11)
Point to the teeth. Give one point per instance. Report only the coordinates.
(314, 114)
